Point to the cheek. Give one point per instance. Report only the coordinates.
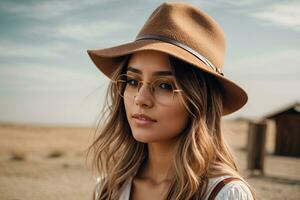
(171, 120)
(128, 108)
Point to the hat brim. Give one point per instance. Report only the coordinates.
(109, 59)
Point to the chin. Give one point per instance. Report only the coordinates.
(149, 137)
(141, 138)
(144, 138)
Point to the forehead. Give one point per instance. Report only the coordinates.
(149, 61)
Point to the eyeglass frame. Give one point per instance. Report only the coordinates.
(140, 84)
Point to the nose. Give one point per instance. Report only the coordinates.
(144, 98)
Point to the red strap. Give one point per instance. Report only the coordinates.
(219, 186)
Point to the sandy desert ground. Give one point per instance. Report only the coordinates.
(39, 162)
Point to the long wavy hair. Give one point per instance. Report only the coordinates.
(201, 153)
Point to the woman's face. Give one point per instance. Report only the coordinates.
(154, 116)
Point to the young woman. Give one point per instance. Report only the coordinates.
(161, 136)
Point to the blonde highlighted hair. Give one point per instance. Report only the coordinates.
(201, 152)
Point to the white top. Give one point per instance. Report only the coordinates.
(234, 190)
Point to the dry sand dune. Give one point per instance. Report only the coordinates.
(39, 162)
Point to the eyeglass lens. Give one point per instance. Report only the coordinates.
(161, 89)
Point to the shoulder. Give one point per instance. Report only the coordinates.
(124, 190)
(230, 190)
(235, 190)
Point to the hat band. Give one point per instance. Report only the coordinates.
(183, 46)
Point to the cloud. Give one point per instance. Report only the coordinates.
(46, 9)
(284, 13)
(80, 30)
(23, 50)
(33, 77)
(239, 3)
(272, 66)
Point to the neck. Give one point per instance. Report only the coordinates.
(159, 166)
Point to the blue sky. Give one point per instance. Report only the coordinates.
(46, 76)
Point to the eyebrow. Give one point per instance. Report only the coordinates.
(157, 73)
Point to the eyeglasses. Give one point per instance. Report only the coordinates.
(162, 89)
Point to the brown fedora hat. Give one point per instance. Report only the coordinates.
(186, 33)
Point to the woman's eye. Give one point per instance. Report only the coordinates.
(132, 82)
(166, 86)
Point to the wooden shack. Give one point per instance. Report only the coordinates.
(287, 121)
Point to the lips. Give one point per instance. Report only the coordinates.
(143, 117)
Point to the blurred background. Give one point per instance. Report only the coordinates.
(51, 93)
